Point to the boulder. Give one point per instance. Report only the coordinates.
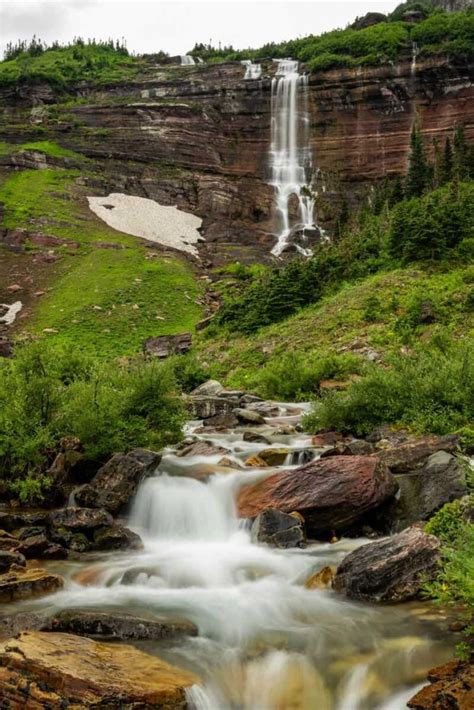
(332, 494)
(422, 492)
(248, 416)
(116, 537)
(209, 407)
(223, 421)
(202, 448)
(321, 579)
(274, 457)
(54, 670)
(116, 625)
(391, 570)
(412, 454)
(39, 546)
(20, 583)
(116, 483)
(7, 559)
(356, 447)
(88, 529)
(256, 462)
(278, 529)
(451, 687)
(327, 438)
(11, 520)
(211, 388)
(166, 345)
(254, 438)
(80, 519)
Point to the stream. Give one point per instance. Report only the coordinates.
(265, 641)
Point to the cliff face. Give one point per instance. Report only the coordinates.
(199, 136)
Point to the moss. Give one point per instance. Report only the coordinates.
(52, 149)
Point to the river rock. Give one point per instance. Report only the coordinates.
(116, 483)
(413, 454)
(209, 407)
(451, 688)
(39, 546)
(254, 437)
(211, 388)
(331, 494)
(202, 448)
(55, 670)
(117, 625)
(392, 569)
(274, 457)
(7, 559)
(20, 583)
(248, 416)
(88, 529)
(321, 579)
(12, 520)
(422, 492)
(223, 421)
(116, 537)
(278, 529)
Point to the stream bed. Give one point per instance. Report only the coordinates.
(266, 642)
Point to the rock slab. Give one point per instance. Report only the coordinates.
(452, 687)
(391, 570)
(20, 583)
(54, 670)
(331, 494)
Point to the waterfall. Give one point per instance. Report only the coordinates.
(414, 55)
(187, 60)
(290, 152)
(252, 71)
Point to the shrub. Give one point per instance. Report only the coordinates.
(449, 521)
(431, 390)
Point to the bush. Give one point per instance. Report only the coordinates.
(47, 393)
(447, 523)
(431, 390)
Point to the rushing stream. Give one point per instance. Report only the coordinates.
(265, 641)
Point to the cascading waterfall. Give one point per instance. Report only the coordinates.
(187, 60)
(290, 152)
(252, 71)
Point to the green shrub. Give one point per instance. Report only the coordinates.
(47, 393)
(431, 390)
(448, 522)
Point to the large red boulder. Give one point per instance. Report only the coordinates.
(331, 494)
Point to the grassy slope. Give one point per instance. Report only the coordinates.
(339, 323)
(104, 299)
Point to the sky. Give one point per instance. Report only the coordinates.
(175, 25)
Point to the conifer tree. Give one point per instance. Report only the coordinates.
(462, 154)
(418, 169)
(396, 195)
(446, 167)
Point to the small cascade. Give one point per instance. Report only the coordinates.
(200, 60)
(187, 60)
(299, 458)
(252, 71)
(290, 152)
(414, 55)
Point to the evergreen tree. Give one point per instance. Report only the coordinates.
(396, 194)
(446, 167)
(462, 154)
(418, 169)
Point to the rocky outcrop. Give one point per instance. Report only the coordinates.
(278, 529)
(412, 454)
(117, 625)
(54, 670)
(21, 583)
(88, 529)
(451, 688)
(332, 494)
(391, 570)
(116, 483)
(165, 345)
(441, 480)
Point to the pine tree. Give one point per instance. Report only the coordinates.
(418, 169)
(396, 195)
(462, 152)
(446, 167)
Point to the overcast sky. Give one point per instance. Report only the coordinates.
(175, 25)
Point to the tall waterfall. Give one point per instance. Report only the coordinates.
(252, 71)
(290, 152)
(187, 60)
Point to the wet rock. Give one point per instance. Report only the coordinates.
(116, 625)
(332, 494)
(211, 388)
(223, 421)
(23, 621)
(165, 345)
(451, 688)
(422, 492)
(20, 583)
(116, 537)
(321, 579)
(55, 670)
(207, 407)
(248, 416)
(7, 559)
(116, 483)
(356, 447)
(11, 520)
(412, 454)
(254, 437)
(202, 448)
(9, 543)
(80, 519)
(328, 438)
(40, 547)
(256, 462)
(392, 570)
(278, 529)
(274, 457)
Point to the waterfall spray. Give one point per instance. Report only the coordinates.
(252, 71)
(290, 152)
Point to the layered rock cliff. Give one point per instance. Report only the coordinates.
(199, 136)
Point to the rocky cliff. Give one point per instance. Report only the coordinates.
(199, 136)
